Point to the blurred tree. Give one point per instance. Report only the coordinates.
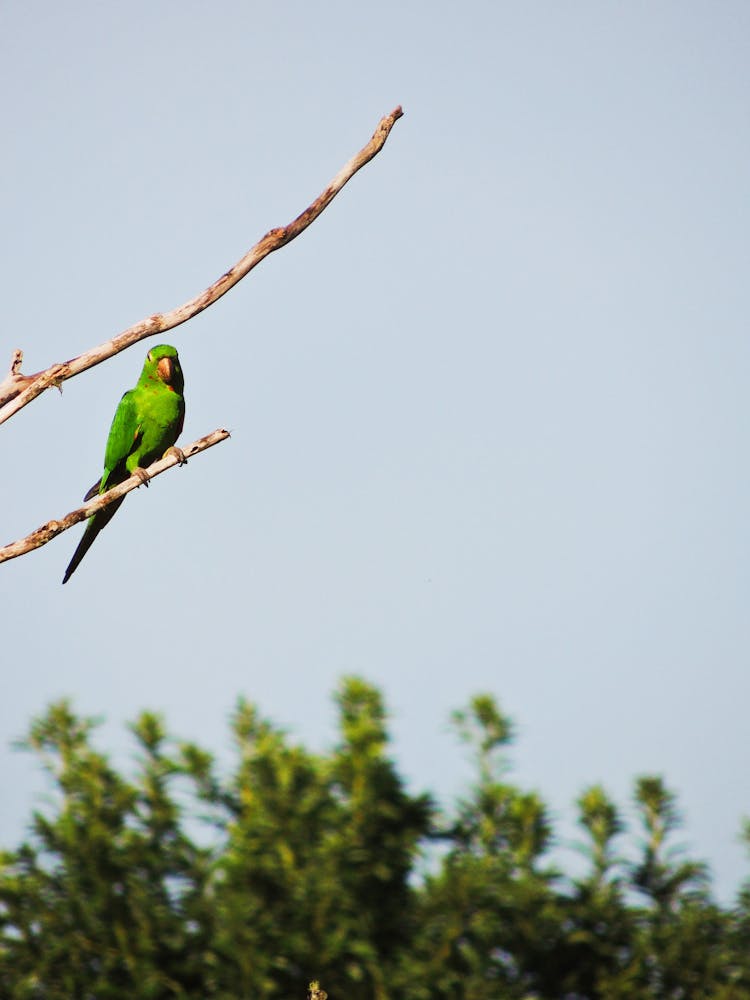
(184, 882)
(597, 925)
(98, 903)
(487, 919)
(314, 876)
(682, 936)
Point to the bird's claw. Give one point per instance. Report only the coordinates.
(177, 453)
(142, 475)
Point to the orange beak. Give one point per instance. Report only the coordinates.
(165, 368)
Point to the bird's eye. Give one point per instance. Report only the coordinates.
(150, 356)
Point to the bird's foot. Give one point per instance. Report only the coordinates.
(177, 453)
(142, 475)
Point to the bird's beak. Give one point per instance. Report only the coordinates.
(165, 368)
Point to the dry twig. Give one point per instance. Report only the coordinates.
(51, 529)
(16, 390)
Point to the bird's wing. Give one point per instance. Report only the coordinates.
(124, 435)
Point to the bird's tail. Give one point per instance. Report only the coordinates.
(94, 489)
(95, 524)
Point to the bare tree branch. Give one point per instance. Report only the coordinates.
(51, 529)
(16, 390)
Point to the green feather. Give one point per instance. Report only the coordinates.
(147, 423)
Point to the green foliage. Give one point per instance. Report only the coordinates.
(186, 881)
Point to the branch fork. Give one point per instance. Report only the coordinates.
(17, 390)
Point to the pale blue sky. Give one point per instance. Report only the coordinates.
(489, 413)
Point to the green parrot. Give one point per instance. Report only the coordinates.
(147, 423)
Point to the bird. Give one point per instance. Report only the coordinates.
(147, 422)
